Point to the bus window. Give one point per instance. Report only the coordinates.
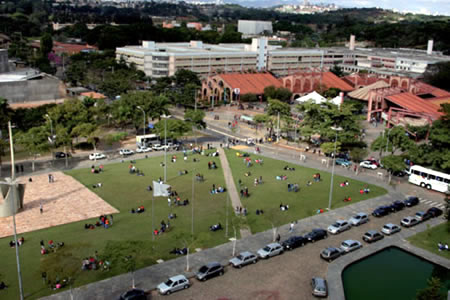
(447, 181)
(424, 175)
(416, 172)
(432, 177)
(439, 178)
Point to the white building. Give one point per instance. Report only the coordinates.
(252, 28)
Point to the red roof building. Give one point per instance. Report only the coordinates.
(226, 87)
(306, 82)
(70, 49)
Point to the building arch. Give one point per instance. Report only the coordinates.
(394, 83)
(306, 85)
(288, 84)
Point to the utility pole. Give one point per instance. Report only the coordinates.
(12, 187)
(278, 129)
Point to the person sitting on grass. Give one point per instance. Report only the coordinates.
(3, 286)
(259, 212)
(441, 246)
(347, 199)
(309, 183)
(172, 216)
(140, 209)
(247, 174)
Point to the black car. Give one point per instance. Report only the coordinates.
(210, 270)
(397, 206)
(294, 242)
(316, 234)
(134, 294)
(434, 212)
(381, 211)
(61, 155)
(411, 201)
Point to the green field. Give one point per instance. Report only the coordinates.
(131, 234)
(430, 238)
(302, 204)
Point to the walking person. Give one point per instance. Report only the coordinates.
(41, 208)
(291, 226)
(278, 238)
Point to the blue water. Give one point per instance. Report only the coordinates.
(391, 274)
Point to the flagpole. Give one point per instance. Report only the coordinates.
(193, 193)
(153, 210)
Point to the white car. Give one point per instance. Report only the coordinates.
(390, 228)
(158, 147)
(368, 165)
(126, 152)
(409, 221)
(270, 250)
(95, 156)
(339, 226)
(350, 245)
(173, 284)
(143, 149)
(358, 219)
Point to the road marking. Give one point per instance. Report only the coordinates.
(433, 203)
(441, 206)
(427, 201)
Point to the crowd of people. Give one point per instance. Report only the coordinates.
(443, 247)
(52, 246)
(20, 242)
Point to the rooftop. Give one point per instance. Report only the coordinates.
(250, 83)
(416, 104)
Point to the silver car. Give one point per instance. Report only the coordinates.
(409, 221)
(339, 226)
(350, 245)
(358, 219)
(390, 228)
(244, 258)
(319, 287)
(173, 284)
(270, 250)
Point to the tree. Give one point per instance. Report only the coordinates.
(438, 75)
(276, 106)
(46, 44)
(89, 131)
(35, 141)
(196, 118)
(358, 154)
(336, 70)
(184, 77)
(432, 291)
(328, 147)
(282, 94)
(393, 163)
(172, 129)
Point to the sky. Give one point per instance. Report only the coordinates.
(441, 7)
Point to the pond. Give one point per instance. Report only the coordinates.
(390, 274)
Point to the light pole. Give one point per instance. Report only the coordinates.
(51, 140)
(143, 111)
(336, 129)
(165, 147)
(387, 140)
(12, 186)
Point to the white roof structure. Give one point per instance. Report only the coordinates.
(318, 99)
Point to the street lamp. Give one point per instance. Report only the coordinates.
(165, 147)
(12, 186)
(51, 139)
(336, 129)
(143, 111)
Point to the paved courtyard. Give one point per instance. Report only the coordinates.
(63, 201)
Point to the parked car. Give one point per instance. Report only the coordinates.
(381, 211)
(209, 270)
(397, 206)
(435, 212)
(270, 250)
(368, 165)
(411, 201)
(374, 162)
(390, 228)
(358, 219)
(397, 173)
(330, 253)
(134, 294)
(350, 245)
(372, 236)
(316, 234)
(319, 287)
(159, 147)
(339, 226)
(61, 154)
(409, 221)
(422, 216)
(244, 258)
(343, 162)
(173, 284)
(143, 149)
(126, 152)
(95, 156)
(294, 242)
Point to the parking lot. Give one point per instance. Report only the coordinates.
(288, 276)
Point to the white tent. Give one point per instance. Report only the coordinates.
(318, 99)
(160, 189)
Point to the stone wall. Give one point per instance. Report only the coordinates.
(32, 90)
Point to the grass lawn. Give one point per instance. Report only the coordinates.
(430, 238)
(131, 234)
(272, 192)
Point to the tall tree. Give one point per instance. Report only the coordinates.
(35, 141)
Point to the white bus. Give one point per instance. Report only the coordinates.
(427, 178)
(148, 139)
